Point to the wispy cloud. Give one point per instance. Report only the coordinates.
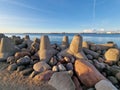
(26, 6)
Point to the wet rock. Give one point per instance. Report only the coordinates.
(20, 68)
(11, 59)
(61, 67)
(27, 71)
(41, 66)
(77, 84)
(87, 73)
(61, 81)
(7, 48)
(12, 67)
(33, 74)
(105, 85)
(46, 51)
(118, 76)
(44, 76)
(113, 79)
(55, 68)
(53, 61)
(69, 66)
(112, 55)
(23, 61)
(19, 55)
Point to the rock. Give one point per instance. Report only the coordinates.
(23, 45)
(114, 70)
(20, 68)
(55, 68)
(94, 54)
(113, 79)
(2, 36)
(112, 55)
(91, 89)
(65, 43)
(33, 74)
(101, 60)
(118, 76)
(37, 40)
(77, 84)
(23, 61)
(61, 67)
(44, 76)
(7, 48)
(69, 66)
(67, 59)
(105, 85)
(27, 71)
(75, 48)
(11, 59)
(70, 72)
(72, 59)
(53, 61)
(35, 46)
(19, 55)
(118, 63)
(12, 67)
(41, 66)
(26, 37)
(85, 44)
(46, 51)
(87, 73)
(90, 57)
(61, 81)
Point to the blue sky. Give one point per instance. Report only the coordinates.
(59, 15)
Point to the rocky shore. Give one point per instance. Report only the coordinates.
(75, 65)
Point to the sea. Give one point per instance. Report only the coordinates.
(97, 38)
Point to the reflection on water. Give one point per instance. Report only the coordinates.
(96, 38)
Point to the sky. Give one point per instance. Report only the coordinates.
(36, 16)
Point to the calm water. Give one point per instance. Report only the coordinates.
(96, 38)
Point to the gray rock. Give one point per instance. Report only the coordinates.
(118, 76)
(53, 61)
(91, 89)
(23, 61)
(90, 57)
(69, 66)
(11, 59)
(61, 67)
(61, 81)
(20, 68)
(27, 71)
(12, 67)
(41, 66)
(72, 59)
(113, 79)
(105, 85)
(55, 68)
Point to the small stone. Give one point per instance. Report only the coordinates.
(41, 66)
(55, 68)
(11, 59)
(53, 61)
(27, 71)
(89, 56)
(113, 79)
(67, 59)
(101, 60)
(69, 66)
(20, 68)
(12, 67)
(23, 61)
(118, 76)
(72, 59)
(33, 74)
(70, 72)
(44, 76)
(61, 67)
(105, 85)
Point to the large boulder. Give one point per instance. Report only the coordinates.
(112, 55)
(41, 66)
(75, 48)
(62, 81)
(46, 51)
(7, 48)
(65, 43)
(87, 73)
(105, 85)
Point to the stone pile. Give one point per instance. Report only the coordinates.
(75, 66)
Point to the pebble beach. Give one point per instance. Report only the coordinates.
(37, 64)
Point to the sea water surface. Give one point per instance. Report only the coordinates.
(96, 38)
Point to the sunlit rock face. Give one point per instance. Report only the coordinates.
(7, 48)
(75, 48)
(87, 73)
(46, 51)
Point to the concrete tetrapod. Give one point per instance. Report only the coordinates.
(74, 49)
(46, 51)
